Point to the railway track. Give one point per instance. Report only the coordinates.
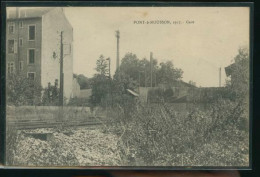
(33, 124)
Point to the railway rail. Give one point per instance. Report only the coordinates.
(33, 124)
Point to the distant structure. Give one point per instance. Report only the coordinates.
(33, 45)
(75, 89)
(117, 52)
(220, 77)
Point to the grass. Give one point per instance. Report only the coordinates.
(163, 135)
(160, 135)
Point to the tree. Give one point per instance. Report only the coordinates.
(102, 65)
(100, 88)
(21, 90)
(167, 74)
(84, 82)
(51, 94)
(239, 71)
(192, 83)
(123, 81)
(100, 82)
(138, 70)
(130, 66)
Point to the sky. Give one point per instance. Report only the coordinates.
(211, 40)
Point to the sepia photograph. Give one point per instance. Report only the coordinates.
(128, 87)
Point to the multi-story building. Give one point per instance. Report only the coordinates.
(33, 45)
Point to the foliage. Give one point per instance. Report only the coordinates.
(161, 135)
(123, 81)
(192, 83)
(84, 82)
(51, 95)
(167, 74)
(107, 91)
(156, 95)
(22, 91)
(239, 84)
(100, 88)
(209, 95)
(10, 150)
(102, 65)
(140, 70)
(79, 102)
(130, 66)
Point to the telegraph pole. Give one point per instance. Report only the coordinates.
(61, 69)
(145, 77)
(117, 52)
(109, 67)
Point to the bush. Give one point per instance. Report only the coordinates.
(51, 95)
(22, 91)
(156, 95)
(160, 135)
(79, 102)
(11, 137)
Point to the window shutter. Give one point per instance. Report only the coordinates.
(15, 46)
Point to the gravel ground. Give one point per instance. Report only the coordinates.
(78, 147)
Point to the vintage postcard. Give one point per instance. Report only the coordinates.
(128, 87)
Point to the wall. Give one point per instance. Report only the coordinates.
(85, 93)
(23, 50)
(75, 88)
(46, 113)
(143, 92)
(53, 23)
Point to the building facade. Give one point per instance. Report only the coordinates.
(33, 45)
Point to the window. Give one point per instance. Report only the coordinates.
(20, 42)
(11, 46)
(31, 56)
(31, 76)
(21, 24)
(21, 65)
(32, 32)
(10, 67)
(11, 28)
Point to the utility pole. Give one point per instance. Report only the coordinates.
(117, 52)
(109, 67)
(110, 93)
(61, 69)
(145, 76)
(151, 68)
(220, 77)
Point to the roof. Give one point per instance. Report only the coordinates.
(179, 83)
(28, 12)
(132, 92)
